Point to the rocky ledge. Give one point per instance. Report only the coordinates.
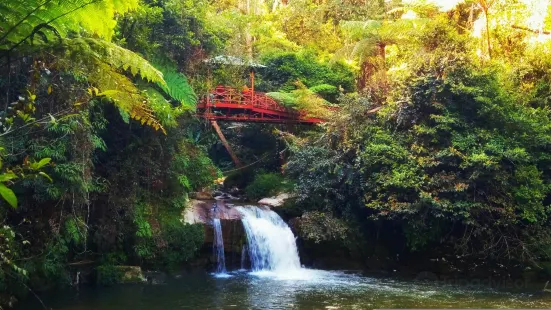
(202, 212)
(276, 201)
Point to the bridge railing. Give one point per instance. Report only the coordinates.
(227, 103)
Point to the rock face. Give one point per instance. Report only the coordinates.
(201, 212)
(276, 201)
(233, 233)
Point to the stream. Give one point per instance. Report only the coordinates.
(276, 280)
(322, 290)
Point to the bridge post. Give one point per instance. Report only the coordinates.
(226, 144)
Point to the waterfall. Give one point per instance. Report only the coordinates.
(218, 247)
(243, 256)
(271, 243)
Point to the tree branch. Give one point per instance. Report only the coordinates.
(530, 30)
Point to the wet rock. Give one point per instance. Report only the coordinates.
(109, 275)
(202, 212)
(225, 196)
(235, 191)
(276, 201)
(155, 277)
(131, 274)
(201, 195)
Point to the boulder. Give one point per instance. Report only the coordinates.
(155, 277)
(109, 275)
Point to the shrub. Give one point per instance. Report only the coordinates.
(265, 185)
(326, 91)
(284, 69)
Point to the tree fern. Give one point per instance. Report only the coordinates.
(120, 58)
(364, 37)
(18, 18)
(100, 62)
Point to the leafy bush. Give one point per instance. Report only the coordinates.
(285, 69)
(266, 185)
(162, 240)
(319, 226)
(326, 91)
(109, 275)
(448, 159)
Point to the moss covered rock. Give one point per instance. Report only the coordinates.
(110, 274)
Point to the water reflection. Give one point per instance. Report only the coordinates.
(325, 290)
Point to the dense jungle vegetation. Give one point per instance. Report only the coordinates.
(437, 138)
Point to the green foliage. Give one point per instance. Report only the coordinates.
(177, 85)
(192, 169)
(326, 91)
(99, 61)
(266, 185)
(304, 100)
(109, 275)
(317, 227)
(444, 154)
(285, 69)
(22, 18)
(286, 99)
(170, 243)
(87, 180)
(8, 195)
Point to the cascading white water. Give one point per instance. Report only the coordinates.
(243, 256)
(271, 243)
(218, 247)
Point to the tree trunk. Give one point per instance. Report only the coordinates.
(226, 144)
(488, 32)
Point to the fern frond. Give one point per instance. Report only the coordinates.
(122, 58)
(357, 30)
(164, 111)
(100, 62)
(177, 85)
(304, 100)
(18, 18)
(125, 95)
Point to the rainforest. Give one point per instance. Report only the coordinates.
(275, 154)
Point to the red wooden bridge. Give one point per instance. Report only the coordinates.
(229, 104)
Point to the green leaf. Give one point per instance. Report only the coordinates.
(46, 176)
(43, 162)
(8, 195)
(7, 176)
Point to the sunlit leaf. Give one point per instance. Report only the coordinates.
(8, 195)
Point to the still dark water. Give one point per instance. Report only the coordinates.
(314, 290)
